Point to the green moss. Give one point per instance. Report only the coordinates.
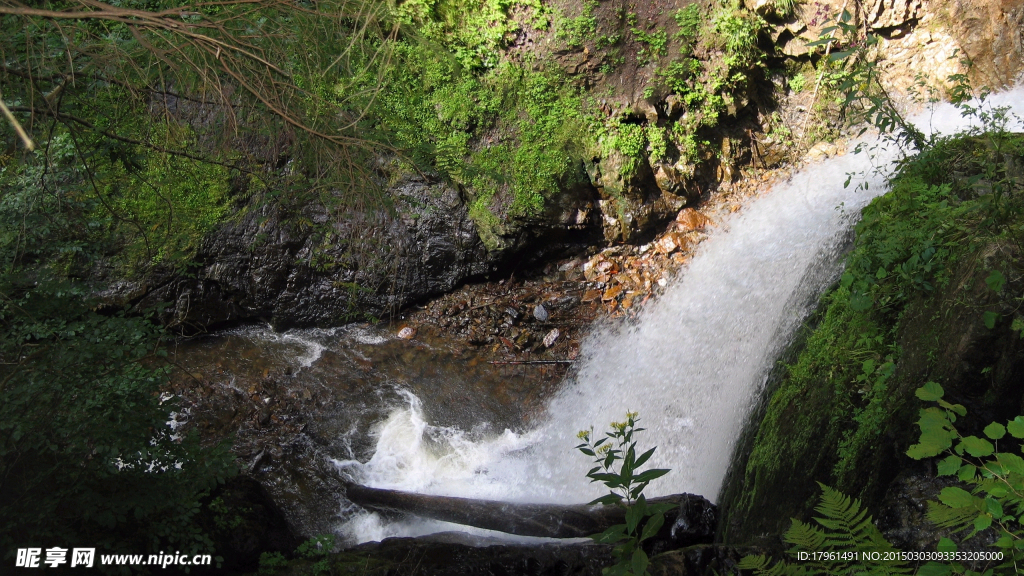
(709, 87)
(165, 209)
(655, 45)
(689, 19)
(512, 133)
(574, 31)
(474, 32)
(841, 409)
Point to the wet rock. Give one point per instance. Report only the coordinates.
(454, 554)
(264, 264)
(669, 243)
(632, 202)
(669, 180)
(407, 333)
(700, 560)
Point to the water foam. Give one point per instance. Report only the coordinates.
(692, 365)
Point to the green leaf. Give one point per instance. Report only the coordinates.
(935, 569)
(654, 523)
(930, 392)
(994, 508)
(967, 472)
(648, 475)
(640, 562)
(1011, 462)
(955, 497)
(607, 499)
(868, 367)
(949, 465)
(859, 302)
(633, 516)
(1016, 427)
(946, 545)
(977, 447)
(611, 535)
(995, 280)
(982, 522)
(644, 458)
(846, 280)
(955, 408)
(925, 450)
(995, 431)
(990, 319)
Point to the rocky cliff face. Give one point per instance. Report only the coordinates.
(833, 418)
(283, 268)
(310, 267)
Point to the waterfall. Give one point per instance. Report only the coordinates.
(692, 364)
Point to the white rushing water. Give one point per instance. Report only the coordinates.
(692, 364)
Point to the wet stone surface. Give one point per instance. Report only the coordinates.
(298, 400)
(480, 359)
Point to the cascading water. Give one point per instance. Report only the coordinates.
(692, 364)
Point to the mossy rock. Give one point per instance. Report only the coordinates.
(844, 412)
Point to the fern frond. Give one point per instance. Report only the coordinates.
(805, 536)
(751, 562)
(956, 518)
(761, 565)
(847, 527)
(848, 524)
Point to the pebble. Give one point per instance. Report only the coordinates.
(541, 313)
(407, 333)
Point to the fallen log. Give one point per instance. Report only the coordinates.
(692, 521)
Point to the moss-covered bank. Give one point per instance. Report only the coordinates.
(931, 292)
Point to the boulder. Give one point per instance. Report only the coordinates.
(270, 264)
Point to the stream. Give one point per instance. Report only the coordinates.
(434, 418)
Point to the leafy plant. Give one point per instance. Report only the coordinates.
(836, 547)
(784, 8)
(689, 19)
(656, 45)
(865, 98)
(575, 30)
(86, 452)
(798, 83)
(318, 548)
(271, 562)
(990, 466)
(618, 468)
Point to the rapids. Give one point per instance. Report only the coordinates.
(692, 364)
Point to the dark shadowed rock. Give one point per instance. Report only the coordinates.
(456, 554)
(315, 268)
(244, 522)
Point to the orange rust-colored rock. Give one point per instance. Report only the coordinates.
(689, 219)
(612, 293)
